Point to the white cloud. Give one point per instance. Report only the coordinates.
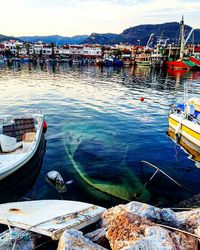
(29, 17)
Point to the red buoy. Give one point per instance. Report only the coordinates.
(142, 99)
(44, 127)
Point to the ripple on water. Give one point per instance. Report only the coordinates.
(103, 104)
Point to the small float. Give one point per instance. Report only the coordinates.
(19, 140)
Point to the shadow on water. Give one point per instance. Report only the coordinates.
(13, 187)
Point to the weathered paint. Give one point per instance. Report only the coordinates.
(49, 217)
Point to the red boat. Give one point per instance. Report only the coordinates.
(181, 64)
(194, 60)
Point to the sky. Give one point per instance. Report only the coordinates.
(80, 17)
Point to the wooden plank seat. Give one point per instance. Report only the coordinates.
(19, 134)
(19, 128)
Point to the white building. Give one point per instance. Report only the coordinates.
(92, 50)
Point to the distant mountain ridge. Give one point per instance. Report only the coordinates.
(134, 35)
(58, 40)
(140, 34)
(4, 38)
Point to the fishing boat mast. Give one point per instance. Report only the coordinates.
(182, 38)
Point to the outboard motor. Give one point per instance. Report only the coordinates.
(55, 179)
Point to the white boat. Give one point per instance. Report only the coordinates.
(19, 141)
(49, 217)
(143, 59)
(184, 120)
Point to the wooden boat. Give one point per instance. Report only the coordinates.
(82, 151)
(185, 120)
(49, 217)
(143, 59)
(19, 141)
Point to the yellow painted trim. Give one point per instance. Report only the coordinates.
(191, 132)
(186, 129)
(174, 122)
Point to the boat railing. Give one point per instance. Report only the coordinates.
(188, 116)
(158, 170)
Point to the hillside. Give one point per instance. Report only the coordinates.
(59, 40)
(133, 35)
(142, 33)
(4, 38)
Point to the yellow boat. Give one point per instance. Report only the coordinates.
(185, 121)
(187, 146)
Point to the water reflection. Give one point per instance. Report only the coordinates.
(187, 146)
(105, 104)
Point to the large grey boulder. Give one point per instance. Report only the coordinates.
(135, 226)
(72, 239)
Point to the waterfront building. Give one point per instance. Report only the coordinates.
(92, 51)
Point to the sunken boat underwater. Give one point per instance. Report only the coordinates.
(103, 168)
(19, 140)
(184, 120)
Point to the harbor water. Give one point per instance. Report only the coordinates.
(118, 117)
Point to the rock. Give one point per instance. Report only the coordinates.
(189, 220)
(109, 215)
(167, 216)
(99, 237)
(22, 240)
(133, 232)
(197, 231)
(133, 226)
(192, 202)
(74, 240)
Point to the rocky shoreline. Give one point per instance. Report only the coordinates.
(137, 226)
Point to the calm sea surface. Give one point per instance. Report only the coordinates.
(100, 110)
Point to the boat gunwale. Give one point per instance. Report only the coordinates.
(14, 166)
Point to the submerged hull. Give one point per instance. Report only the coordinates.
(185, 128)
(129, 188)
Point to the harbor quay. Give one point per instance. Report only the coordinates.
(109, 55)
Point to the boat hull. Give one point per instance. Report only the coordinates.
(187, 146)
(144, 64)
(50, 217)
(14, 166)
(178, 65)
(194, 60)
(188, 129)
